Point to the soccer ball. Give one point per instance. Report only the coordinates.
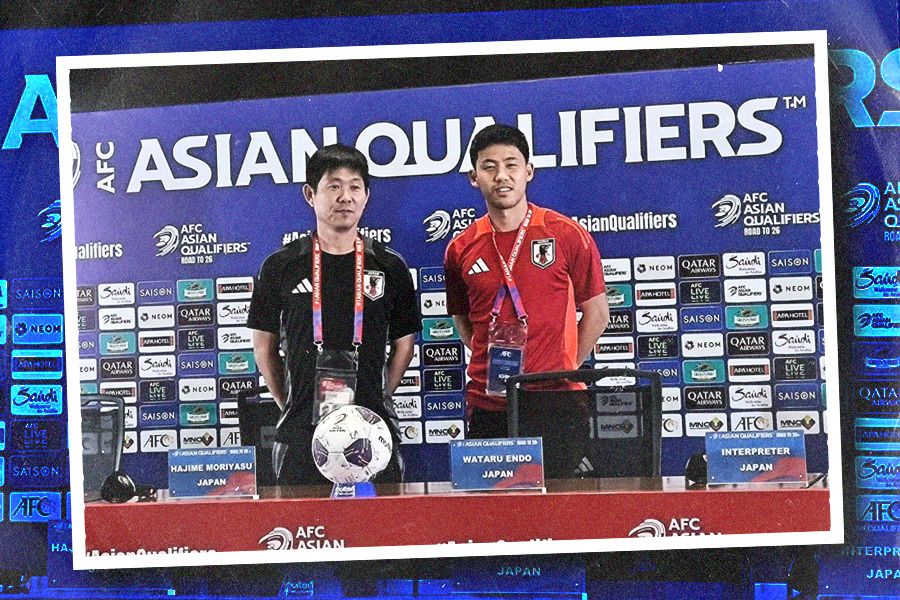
(351, 444)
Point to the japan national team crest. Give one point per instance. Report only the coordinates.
(543, 252)
(373, 284)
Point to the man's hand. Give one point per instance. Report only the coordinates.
(594, 318)
(397, 362)
(270, 363)
(464, 329)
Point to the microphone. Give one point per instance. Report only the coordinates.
(119, 488)
(695, 470)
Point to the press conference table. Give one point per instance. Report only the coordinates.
(432, 513)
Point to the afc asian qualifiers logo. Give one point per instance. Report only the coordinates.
(758, 214)
(677, 527)
(373, 284)
(194, 244)
(50, 218)
(166, 240)
(441, 224)
(543, 252)
(863, 203)
(727, 210)
(309, 537)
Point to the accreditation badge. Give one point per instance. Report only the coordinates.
(335, 385)
(505, 353)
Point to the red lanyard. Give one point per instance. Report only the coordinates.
(358, 301)
(509, 282)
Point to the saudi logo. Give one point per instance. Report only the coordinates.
(727, 210)
(50, 221)
(863, 204)
(166, 240)
(437, 225)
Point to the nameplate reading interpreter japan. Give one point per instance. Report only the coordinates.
(756, 457)
(497, 464)
(212, 472)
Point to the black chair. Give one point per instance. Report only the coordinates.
(102, 433)
(614, 426)
(257, 420)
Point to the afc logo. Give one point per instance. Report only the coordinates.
(34, 507)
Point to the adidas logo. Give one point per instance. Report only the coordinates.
(479, 267)
(304, 287)
(585, 466)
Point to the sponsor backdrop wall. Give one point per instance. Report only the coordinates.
(709, 237)
(34, 528)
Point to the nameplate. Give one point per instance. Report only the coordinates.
(756, 457)
(212, 472)
(497, 464)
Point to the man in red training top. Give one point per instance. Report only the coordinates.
(514, 278)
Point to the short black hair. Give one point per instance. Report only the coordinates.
(333, 157)
(499, 134)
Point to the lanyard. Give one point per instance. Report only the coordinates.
(317, 294)
(509, 282)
